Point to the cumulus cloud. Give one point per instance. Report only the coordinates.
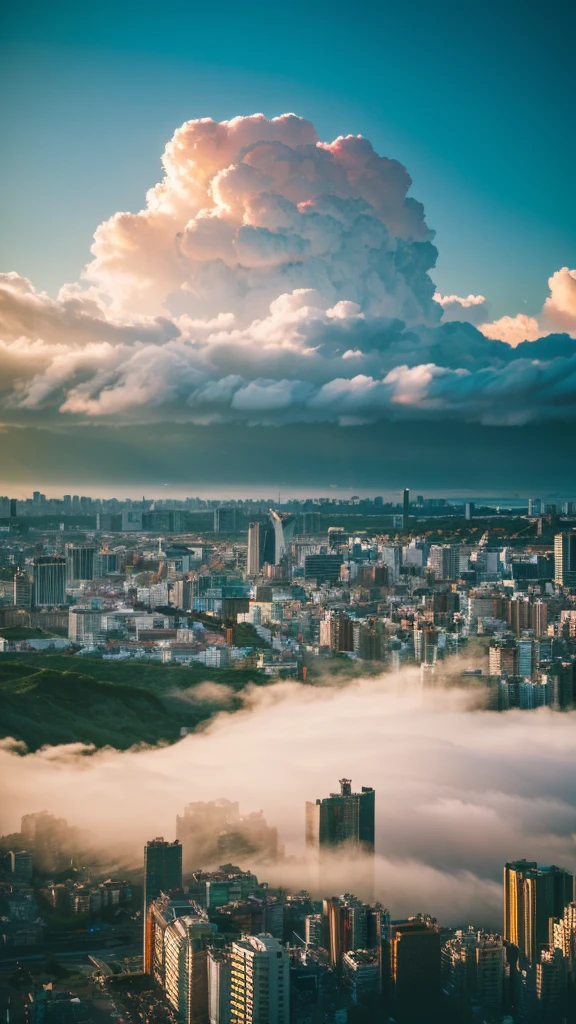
(273, 278)
(513, 329)
(473, 308)
(458, 790)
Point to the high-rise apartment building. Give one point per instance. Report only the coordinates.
(49, 581)
(186, 967)
(162, 869)
(415, 976)
(219, 986)
(260, 981)
(532, 896)
(444, 559)
(22, 589)
(80, 561)
(284, 524)
(565, 559)
(473, 970)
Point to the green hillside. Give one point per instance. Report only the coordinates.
(51, 699)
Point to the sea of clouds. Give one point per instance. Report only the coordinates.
(459, 790)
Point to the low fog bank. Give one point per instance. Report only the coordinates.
(458, 790)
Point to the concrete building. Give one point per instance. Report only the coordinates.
(22, 589)
(162, 869)
(186, 967)
(49, 581)
(219, 986)
(84, 625)
(565, 559)
(260, 981)
(80, 561)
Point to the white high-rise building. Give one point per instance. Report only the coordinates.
(186, 967)
(284, 524)
(565, 559)
(260, 982)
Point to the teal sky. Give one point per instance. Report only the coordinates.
(475, 99)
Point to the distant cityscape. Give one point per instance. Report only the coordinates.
(477, 597)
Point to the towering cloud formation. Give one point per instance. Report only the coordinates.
(272, 278)
(251, 209)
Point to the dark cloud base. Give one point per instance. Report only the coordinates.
(382, 456)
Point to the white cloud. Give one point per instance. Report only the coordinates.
(272, 278)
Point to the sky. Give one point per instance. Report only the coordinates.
(474, 102)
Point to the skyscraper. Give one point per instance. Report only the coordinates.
(532, 896)
(415, 976)
(445, 560)
(565, 559)
(261, 544)
(80, 561)
(343, 822)
(283, 523)
(22, 589)
(343, 817)
(186, 967)
(49, 581)
(260, 981)
(162, 869)
(405, 508)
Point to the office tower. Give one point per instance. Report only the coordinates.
(260, 981)
(342, 818)
(444, 559)
(515, 875)
(80, 561)
(261, 546)
(224, 520)
(253, 556)
(84, 625)
(283, 523)
(49, 581)
(343, 823)
(415, 978)
(526, 657)
(182, 594)
(469, 510)
(565, 559)
(186, 967)
(347, 925)
(532, 896)
(405, 508)
(22, 589)
(162, 869)
(219, 986)
(391, 556)
(322, 567)
(534, 506)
